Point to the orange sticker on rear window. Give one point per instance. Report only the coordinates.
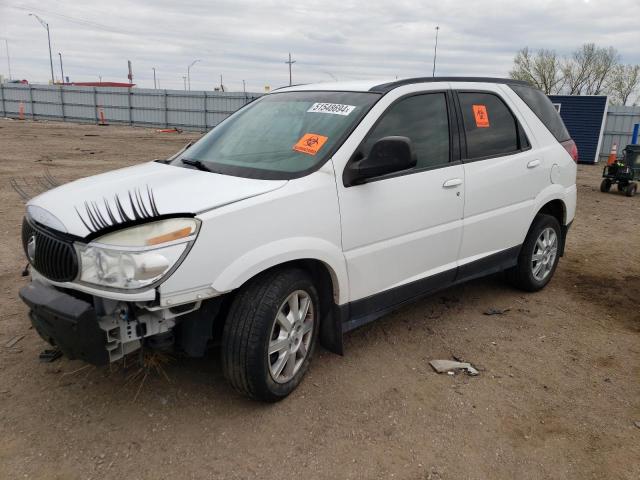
(310, 143)
(481, 115)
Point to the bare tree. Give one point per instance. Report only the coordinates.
(542, 69)
(577, 67)
(586, 70)
(624, 80)
(607, 59)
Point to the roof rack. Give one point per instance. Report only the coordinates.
(386, 87)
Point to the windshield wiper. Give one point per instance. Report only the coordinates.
(196, 163)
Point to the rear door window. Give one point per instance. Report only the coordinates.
(491, 129)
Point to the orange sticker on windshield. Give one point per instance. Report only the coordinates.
(310, 143)
(481, 115)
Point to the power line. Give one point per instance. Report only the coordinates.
(77, 20)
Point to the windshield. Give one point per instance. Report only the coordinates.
(282, 135)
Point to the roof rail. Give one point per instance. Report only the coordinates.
(386, 87)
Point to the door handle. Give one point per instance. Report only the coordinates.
(453, 182)
(533, 163)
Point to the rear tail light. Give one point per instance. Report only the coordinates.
(571, 148)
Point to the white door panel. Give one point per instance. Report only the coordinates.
(499, 202)
(401, 229)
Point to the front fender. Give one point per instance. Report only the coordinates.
(278, 252)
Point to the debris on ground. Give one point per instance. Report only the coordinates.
(496, 311)
(48, 356)
(637, 423)
(450, 366)
(13, 341)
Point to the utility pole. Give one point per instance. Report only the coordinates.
(189, 72)
(290, 62)
(130, 74)
(6, 44)
(61, 69)
(435, 52)
(221, 85)
(244, 87)
(155, 87)
(46, 26)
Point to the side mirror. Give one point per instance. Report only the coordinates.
(388, 155)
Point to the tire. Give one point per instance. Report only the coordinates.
(605, 186)
(530, 274)
(631, 189)
(254, 326)
(622, 187)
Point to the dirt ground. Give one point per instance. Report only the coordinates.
(556, 398)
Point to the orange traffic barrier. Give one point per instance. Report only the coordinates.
(21, 111)
(102, 121)
(613, 156)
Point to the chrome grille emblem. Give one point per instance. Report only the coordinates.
(31, 248)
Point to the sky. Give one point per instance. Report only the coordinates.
(329, 40)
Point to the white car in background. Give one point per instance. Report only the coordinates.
(308, 213)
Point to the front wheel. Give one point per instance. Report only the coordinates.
(539, 255)
(605, 186)
(631, 189)
(270, 334)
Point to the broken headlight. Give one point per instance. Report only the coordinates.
(136, 257)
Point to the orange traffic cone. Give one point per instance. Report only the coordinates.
(21, 111)
(613, 156)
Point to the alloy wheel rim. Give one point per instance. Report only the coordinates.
(291, 336)
(544, 255)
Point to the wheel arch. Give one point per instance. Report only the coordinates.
(557, 209)
(327, 272)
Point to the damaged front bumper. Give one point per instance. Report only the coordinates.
(100, 331)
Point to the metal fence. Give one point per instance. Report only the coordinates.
(190, 110)
(618, 128)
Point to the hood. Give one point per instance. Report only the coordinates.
(153, 189)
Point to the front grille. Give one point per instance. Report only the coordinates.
(53, 257)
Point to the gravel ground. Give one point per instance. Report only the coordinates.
(557, 395)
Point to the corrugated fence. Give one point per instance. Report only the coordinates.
(618, 128)
(190, 110)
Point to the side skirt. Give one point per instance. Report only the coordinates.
(360, 312)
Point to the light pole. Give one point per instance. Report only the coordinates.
(46, 26)
(189, 72)
(435, 52)
(184, 79)
(61, 69)
(154, 78)
(290, 62)
(6, 44)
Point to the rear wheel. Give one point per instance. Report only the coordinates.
(605, 186)
(270, 334)
(631, 189)
(539, 255)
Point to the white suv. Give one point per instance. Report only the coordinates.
(308, 213)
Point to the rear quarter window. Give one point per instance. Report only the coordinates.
(540, 104)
